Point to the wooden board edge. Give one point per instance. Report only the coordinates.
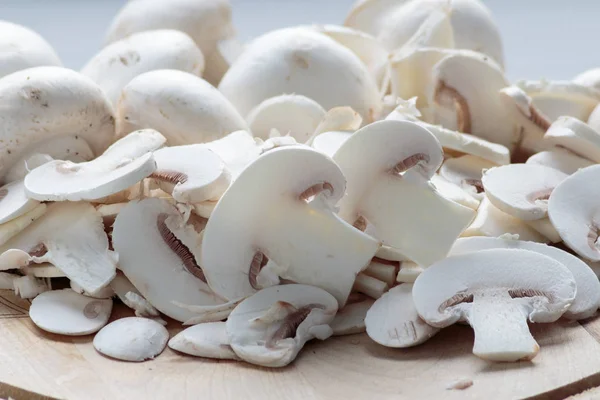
(12, 392)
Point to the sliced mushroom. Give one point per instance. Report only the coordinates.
(370, 286)
(10, 229)
(545, 228)
(338, 119)
(393, 320)
(587, 299)
(575, 136)
(183, 107)
(466, 172)
(594, 119)
(454, 192)
(204, 340)
(328, 143)
(132, 339)
(271, 327)
(560, 159)
(399, 158)
(497, 292)
(521, 190)
(282, 207)
(350, 319)
(573, 210)
(132, 298)
(383, 270)
(237, 150)
(44, 270)
(68, 313)
(29, 287)
(104, 293)
(409, 272)
(13, 201)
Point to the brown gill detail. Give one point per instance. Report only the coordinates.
(463, 297)
(173, 177)
(518, 293)
(290, 324)
(409, 163)
(259, 260)
(592, 236)
(38, 251)
(463, 113)
(314, 190)
(539, 119)
(360, 224)
(476, 183)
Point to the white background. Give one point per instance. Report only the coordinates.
(554, 39)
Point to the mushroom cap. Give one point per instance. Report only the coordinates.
(589, 78)
(68, 313)
(489, 271)
(393, 320)
(132, 339)
(123, 164)
(183, 107)
(46, 103)
(560, 159)
(305, 62)
(208, 22)
(587, 299)
(204, 340)
(22, 48)
(576, 136)
(14, 202)
(291, 114)
(119, 62)
(573, 210)
(521, 190)
(329, 143)
(256, 322)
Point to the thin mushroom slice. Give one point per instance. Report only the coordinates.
(282, 208)
(122, 165)
(271, 327)
(466, 172)
(338, 119)
(545, 228)
(589, 78)
(237, 150)
(169, 270)
(13, 201)
(44, 270)
(573, 210)
(587, 299)
(454, 192)
(10, 229)
(29, 287)
(71, 237)
(68, 313)
(207, 340)
(203, 314)
(205, 208)
(560, 159)
(328, 143)
(104, 293)
(409, 272)
(132, 298)
(594, 119)
(497, 292)
(576, 136)
(521, 190)
(132, 339)
(393, 320)
(191, 174)
(350, 319)
(399, 159)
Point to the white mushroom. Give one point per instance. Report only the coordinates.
(587, 299)
(589, 78)
(118, 63)
(132, 298)
(271, 327)
(13, 201)
(466, 172)
(370, 286)
(183, 107)
(409, 272)
(454, 192)
(393, 320)
(68, 313)
(560, 159)
(237, 150)
(384, 270)
(281, 208)
(350, 319)
(132, 339)
(545, 228)
(575, 136)
(13, 227)
(328, 143)
(29, 287)
(44, 270)
(104, 293)
(594, 119)
(204, 340)
(497, 292)
(338, 119)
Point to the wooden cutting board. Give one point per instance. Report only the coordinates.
(351, 367)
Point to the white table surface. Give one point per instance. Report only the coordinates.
(554, 39)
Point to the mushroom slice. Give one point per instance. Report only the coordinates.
(544, 227)
(123, 164)
(409, 271)
(521, 190)
(14, 202)
(271, 327)
(10, 229)
(328, 143)
(338, 119)
(68, 313)
(560, 159)
(71, 237)
(589, 78)
(237, 150)
(205, 208)
(466, 172)
(183, 107)
(454, 192)
(383, 270)
(104, 293)
(132, 339)
(576, 136)
(594, 120)
(29, 287)
(400, 157)
(203, 314)
(497, 292)
(370, 286)
(204, 340)
(393, 320)
(574, 212)
(132, 298)
(291, 114)
(192, 174)
(350, 319)
(119, 62)
(44, 270)
(587, 299)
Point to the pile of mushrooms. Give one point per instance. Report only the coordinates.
(383, 177)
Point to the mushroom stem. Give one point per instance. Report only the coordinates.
(409, 271)
(500, 325)
(385, 272)
(370, 286)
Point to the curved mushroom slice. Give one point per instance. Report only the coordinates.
(183, 107)
(573, 210)
(393, 320)
(204, 340)
(68, 313)
(400, 158)
(329, 143)
(560, 159)
(205, 209)
(192, 174)
(271, 327)
(466, 172)
(119, 62)
(122, 165)
(350, 319)
(291, 114)
(497, 292)
(169, 270)
(44, 270)
(132, 298)
(13, 201)
(29, 287)
(454, 192)
(338, 119)
(545, 228)
(301, 61)
(587, 299)
(521, 190)
(132, 339)
(281, 208)
(561, 98)
(71, 237)
(594, 119)
(237, 150)
(383, 270)
(10, 229)
(575, 136)
(490, 221)
(409, 272)
(104, 293)
(204, 314)
(46, 103)
(589, 78)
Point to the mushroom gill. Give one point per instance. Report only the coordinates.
(409, 163)
(463, 113)
(172, 177)
(463, 297)
(259, 260)
(314, 190)
(290, 324)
